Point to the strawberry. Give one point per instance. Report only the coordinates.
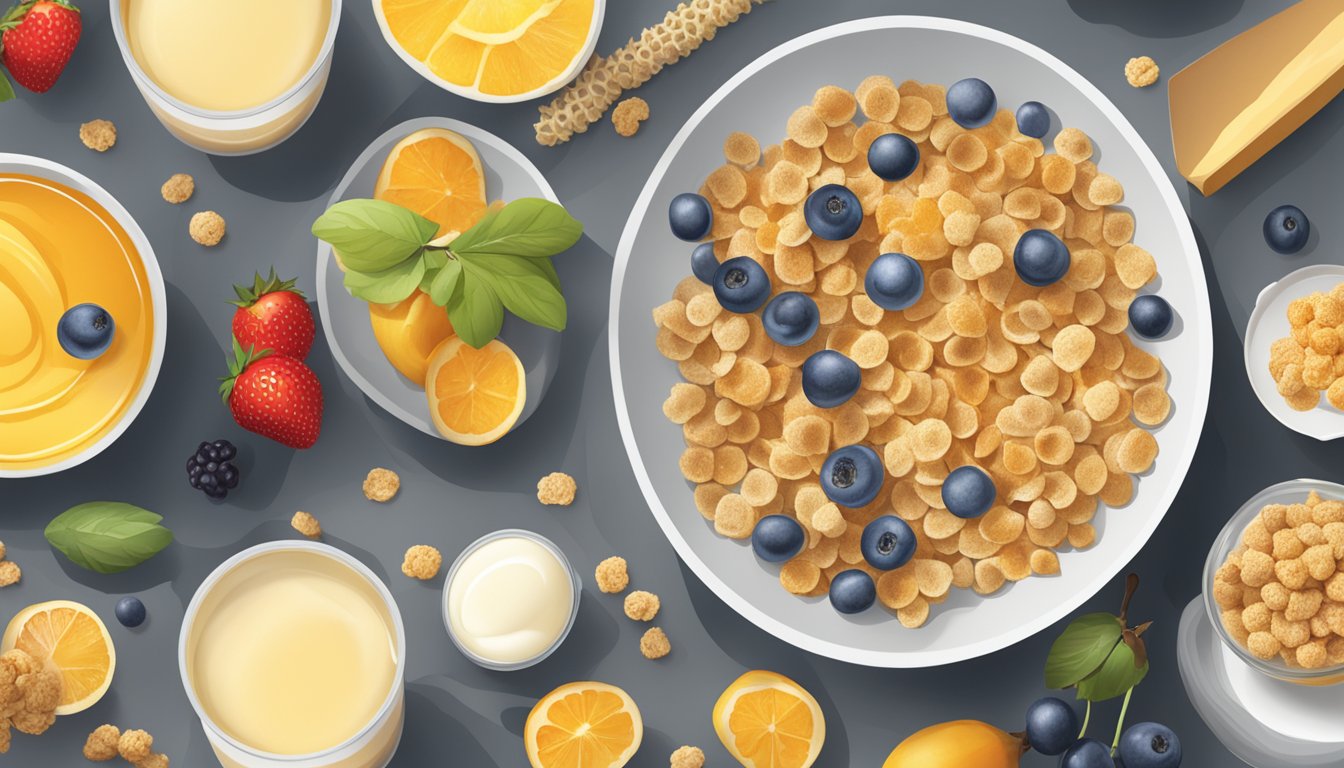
(38, 38)
(276, 397)
(273, 315)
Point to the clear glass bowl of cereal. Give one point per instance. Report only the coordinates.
(1266, 589)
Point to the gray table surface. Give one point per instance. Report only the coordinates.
(459, 714)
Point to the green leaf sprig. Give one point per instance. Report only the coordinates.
(108, 536)
(503, 262)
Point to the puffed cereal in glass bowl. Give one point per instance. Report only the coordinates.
(1274, 519)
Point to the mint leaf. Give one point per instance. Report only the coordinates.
(6, 90)
(529, 227)
(108, 536)
(445, 283)
(523, 285)
(1116, 675)
(388, 286)
(373, 235)
(476, 312)
(434, 261)
(1083, 647)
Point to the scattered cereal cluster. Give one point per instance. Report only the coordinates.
(134, 746)
(629, 114)
(178, 188)
(10, 573)
(381, 485)
(557, 488)
(641, 605)
(1281, 591)
(422, 562)
(306, 524)
(98, 135)
(29, 693)
(1039, 387)
(654, 644)
(1311, 359)
(603, 80)
(1141, 71)
(207, 228)
(688, 757)
(613, 575)
(101, 745)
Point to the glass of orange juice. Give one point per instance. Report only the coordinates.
(293, 654)
(229, 77)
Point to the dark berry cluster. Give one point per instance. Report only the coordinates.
(211, 470)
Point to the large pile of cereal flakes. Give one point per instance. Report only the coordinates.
(1039, 387)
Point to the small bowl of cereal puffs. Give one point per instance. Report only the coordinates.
(1295, 350)
(1273, 587)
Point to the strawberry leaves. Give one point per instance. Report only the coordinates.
(248, 295)
(238, 363)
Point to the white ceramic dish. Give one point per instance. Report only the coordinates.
(560, 81)
(46, 169)
(1269, 321)
(345, 320)
(650, 261)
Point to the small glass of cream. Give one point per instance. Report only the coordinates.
(510, 599)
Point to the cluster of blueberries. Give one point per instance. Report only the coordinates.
(853, 475)
(1052, 729)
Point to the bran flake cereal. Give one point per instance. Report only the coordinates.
(1039, 387)
(1310, 360)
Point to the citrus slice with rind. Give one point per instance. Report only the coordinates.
(436, 173)
(475, 395)
(766, 720)
(408, 332)
(70, 638)
(583, 725)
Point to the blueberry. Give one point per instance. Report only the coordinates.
(852, 476)
(704, 263)
(85, 331)
(791, 318)
(741, 285)
(971, 102)
(893, 157)
(1150, 316)
(833, 212)
(852, 591)
(777, 538)
(1040, 258)
(1150, 745)
(968, 491)
(887, 543)
(1052, 725)
(894, 281)
(1287, 229)
(690, 216)
(830, 378)
(130, 612)
(1033, 119)
(1087, 753)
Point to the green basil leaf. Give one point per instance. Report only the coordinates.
(373, 235)
(434, 261)
(1115, 676)
(530, 227)
(476, 312)
(6, 90)
(108, 536)
(1081, 649)
(523, 285)
(446, 283)
(388, 286)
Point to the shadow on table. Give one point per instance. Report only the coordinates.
(1158, 18)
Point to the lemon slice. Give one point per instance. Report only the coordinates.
(70, 638)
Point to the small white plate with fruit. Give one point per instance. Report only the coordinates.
(442, 306)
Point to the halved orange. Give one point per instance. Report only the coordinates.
(408, 333)
(493, 50)
(436, 173)
(583, 725)
(71, 639)
(766, 720)
(475, 395)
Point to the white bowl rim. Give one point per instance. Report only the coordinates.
(476, 136)
(560, 81)
(1202, 326)
(53, 171)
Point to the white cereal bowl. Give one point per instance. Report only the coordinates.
(650, 261)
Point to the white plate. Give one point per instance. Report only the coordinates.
(650, 261)
(345, 320)
(1269, 321)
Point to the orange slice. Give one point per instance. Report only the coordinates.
(475, 395)
(583, 725)
(492, 50)
(767, 720)
(409, 331)
(72, 639)
(437, 174)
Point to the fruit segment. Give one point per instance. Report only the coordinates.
(437, 174)
(408, 333)
(71, 638)
(475, 395)
(583, 725)
(766, 720)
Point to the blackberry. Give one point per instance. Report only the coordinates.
(211, 470)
